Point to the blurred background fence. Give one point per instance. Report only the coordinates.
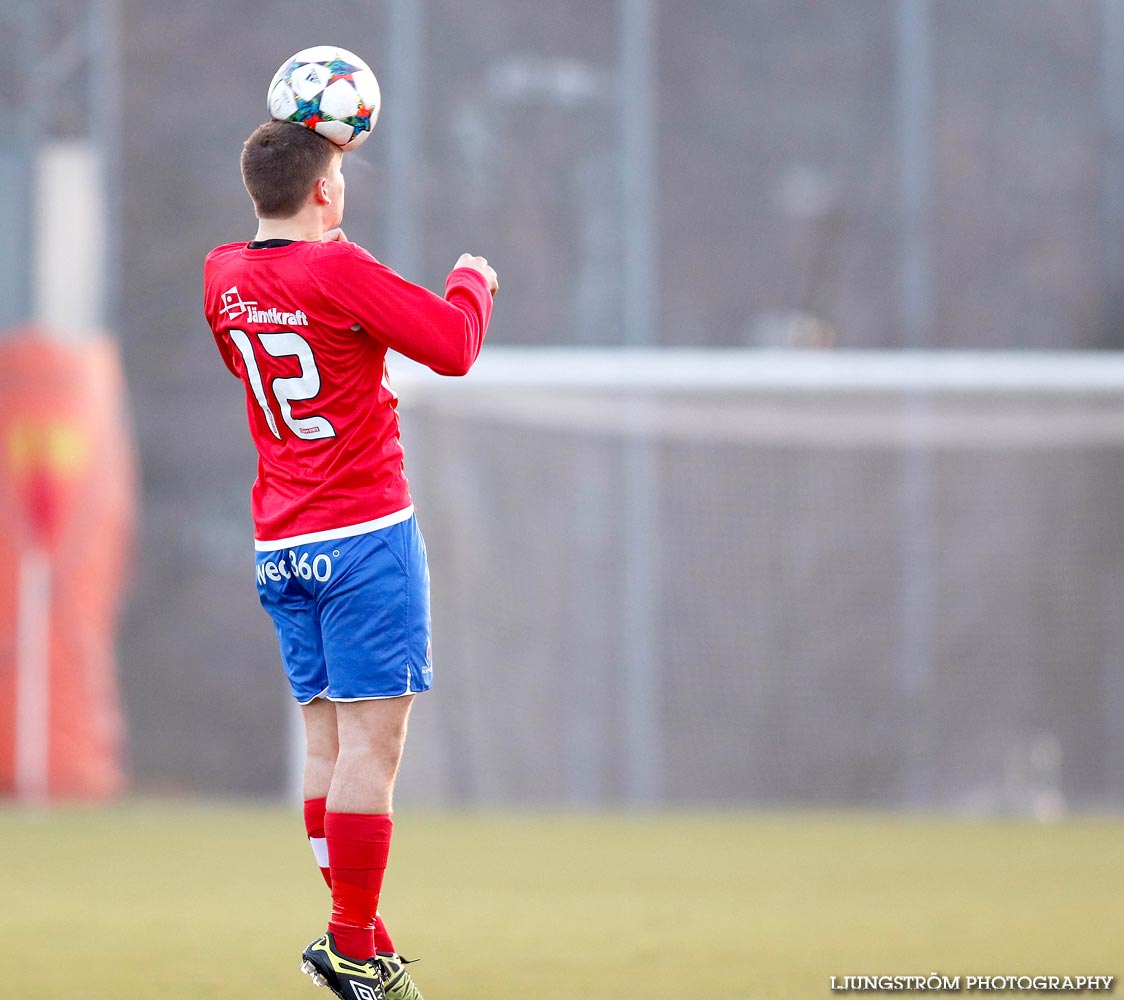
(796, 583)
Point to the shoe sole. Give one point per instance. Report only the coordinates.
(313, 973)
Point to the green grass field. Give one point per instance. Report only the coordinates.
(192, 902)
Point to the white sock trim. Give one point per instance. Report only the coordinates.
(320, 849)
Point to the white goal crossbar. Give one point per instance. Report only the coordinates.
(704, 370)
(830, 400)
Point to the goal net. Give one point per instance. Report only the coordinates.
(773, 577)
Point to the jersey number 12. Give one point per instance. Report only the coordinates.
(285, 390)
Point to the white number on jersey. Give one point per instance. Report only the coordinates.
(285, 390)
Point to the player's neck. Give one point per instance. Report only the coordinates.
(302, 226)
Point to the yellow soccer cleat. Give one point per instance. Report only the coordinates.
(346, 978)
(397, 984)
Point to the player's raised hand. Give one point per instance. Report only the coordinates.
(481, 265)
(336, 235)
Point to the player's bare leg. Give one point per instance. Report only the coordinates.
(321, 747)
(371, 735)
(364, 756)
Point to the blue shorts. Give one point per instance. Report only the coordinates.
(351, 614)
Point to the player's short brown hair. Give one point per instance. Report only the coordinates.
(280, 163)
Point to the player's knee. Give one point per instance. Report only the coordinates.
(323, 749)
(323, 757)
(378, 755)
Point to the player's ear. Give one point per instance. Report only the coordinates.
(320, 191)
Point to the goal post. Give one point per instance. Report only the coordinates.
(882, 578)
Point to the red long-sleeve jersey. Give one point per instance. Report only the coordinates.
(306, 327)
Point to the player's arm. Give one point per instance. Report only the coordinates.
(222, 342)
(444, 334)
(211, 308)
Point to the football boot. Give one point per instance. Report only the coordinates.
(397, 984)
(345, 977)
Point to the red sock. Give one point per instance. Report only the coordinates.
(382, 937)
(358, 846)
(314, 827)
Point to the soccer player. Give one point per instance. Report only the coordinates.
(304, 318)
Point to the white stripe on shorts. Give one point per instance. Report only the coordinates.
(272, 544)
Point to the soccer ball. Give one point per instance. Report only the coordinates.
(330, 90)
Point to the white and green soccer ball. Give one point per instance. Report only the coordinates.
(329, 89)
